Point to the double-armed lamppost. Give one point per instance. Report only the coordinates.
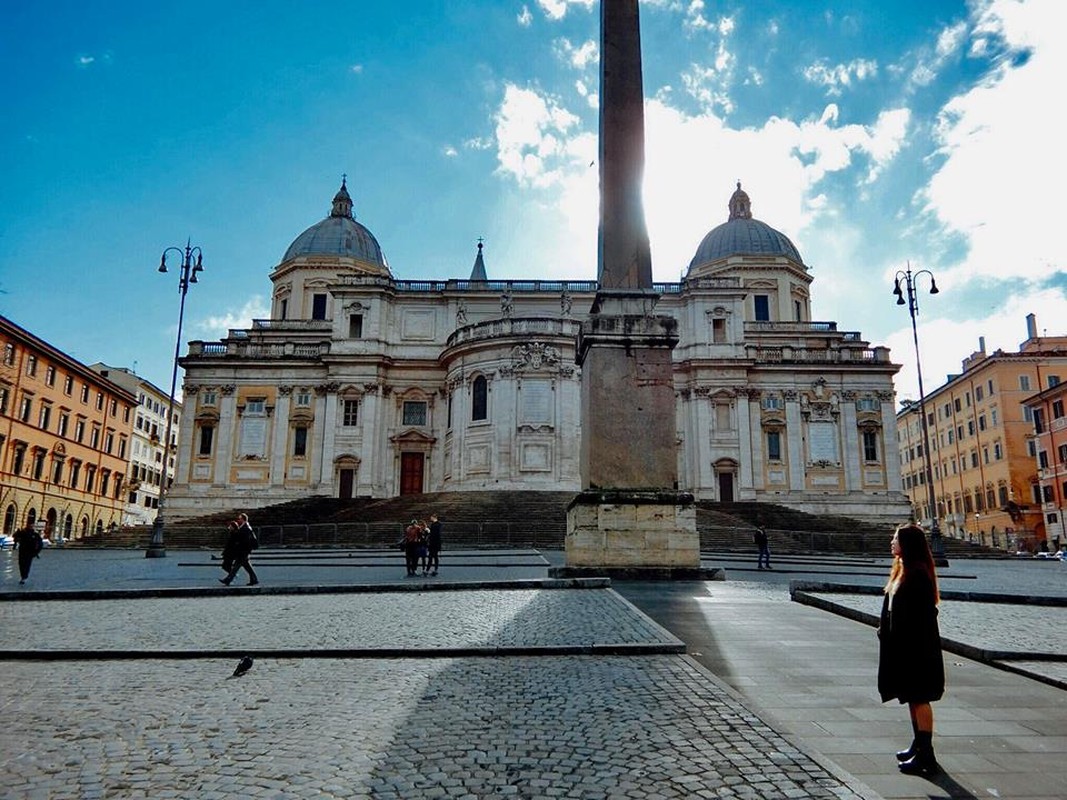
(910, 279)
(192, 258)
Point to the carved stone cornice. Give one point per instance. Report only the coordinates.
(285, 389)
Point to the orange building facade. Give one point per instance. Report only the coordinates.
(64, 440)
(1049, 409)
(982, 446)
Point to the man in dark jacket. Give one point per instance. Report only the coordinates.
(433, 542)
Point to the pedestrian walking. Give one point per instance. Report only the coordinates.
(910, 665)
(764, 555)
(239, 546)
(424, 550)
(411, 547)
(433, 544)
(29, 544)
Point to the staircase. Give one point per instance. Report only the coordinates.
(512, 519)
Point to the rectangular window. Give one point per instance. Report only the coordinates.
(79, 431)
(989, 386)
(210, 397)
(718, 331)
(1002, 495)
(94, 438)
(350, 413)
(414, 412)
(75, 473)
(105, 477)
(870, 446)
(993, 417)
(255, 407)
(303, 398)
(762, 307)
(974, 458)
(44, 417)
(355, 326)
(978, 393)
(318, 306)
(85, 393)
(18, 459)
(981, 422)
(956, 404)
(1031, 448)
(3, 400)
(1062, 453)
(31, 366)
(57, 472)
(970, 427)
(1024, 382)
(122, 447)
(99, 401)
(300, 442)
(774, 445)
(1042, 459)
(9, 354)
(1057, 409)
(1053, 380)
(207, 433)
(38, 464)
(114, 407)
(26, 410)
(50, 376)
(868, 404)
(64, 422)
(109, 442)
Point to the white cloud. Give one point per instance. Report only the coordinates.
(525, 18)
(578, 57)
(84, 61)
(1002, 147)
(255, 308)
(945, 342)
(840, 76)
(357, 69)
(557, 9)
(537, 139)
(449, 151)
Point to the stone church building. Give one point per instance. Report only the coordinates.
(360, 384)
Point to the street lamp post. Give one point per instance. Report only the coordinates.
(937, 546)
(186, 275)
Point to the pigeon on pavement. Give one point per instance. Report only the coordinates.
(243, 666)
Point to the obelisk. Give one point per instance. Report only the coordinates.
(630, 515)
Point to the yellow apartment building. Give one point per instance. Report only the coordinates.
(64, 440)
(982, 446)
(1049, 409)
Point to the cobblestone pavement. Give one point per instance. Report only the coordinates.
(643, 726)
(443, 619)
(579, 727)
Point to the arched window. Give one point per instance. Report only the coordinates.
(480, 398)
(9, 520)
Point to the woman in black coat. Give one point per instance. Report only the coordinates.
(910, 666)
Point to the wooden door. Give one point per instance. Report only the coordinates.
(726, 487)
(411, 465)
(347, 476)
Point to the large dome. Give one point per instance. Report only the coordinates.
(338, 235)
(742, 235)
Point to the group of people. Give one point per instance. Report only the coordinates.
(241, 540)
(422, 546)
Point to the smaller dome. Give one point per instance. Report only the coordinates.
(338, 235)
(741, 235)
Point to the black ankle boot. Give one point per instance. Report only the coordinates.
(904, 755)
(923, 762)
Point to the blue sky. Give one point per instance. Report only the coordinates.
(872, 132)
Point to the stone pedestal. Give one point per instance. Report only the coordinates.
(633, 534)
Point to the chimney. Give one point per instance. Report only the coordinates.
(981, 344)
(1031, 326)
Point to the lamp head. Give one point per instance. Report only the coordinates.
(933, 286)
(163, 263)
(896, 287)
(900, 299)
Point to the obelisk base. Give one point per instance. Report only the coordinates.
(631, 533)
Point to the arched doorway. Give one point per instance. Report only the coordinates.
(346, 467)
(9, 519)
(68, 526)
(50, 523)
(31, 517)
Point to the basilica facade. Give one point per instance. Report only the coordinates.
(360, 384)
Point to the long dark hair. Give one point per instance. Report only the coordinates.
(915, 556)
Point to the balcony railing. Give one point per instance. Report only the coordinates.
(246, 349)
(803, 355)
(521, 326)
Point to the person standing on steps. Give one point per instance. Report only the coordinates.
(244, 542)
(910, 665)
(433, 543)
(764, 556)
(29, 544)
